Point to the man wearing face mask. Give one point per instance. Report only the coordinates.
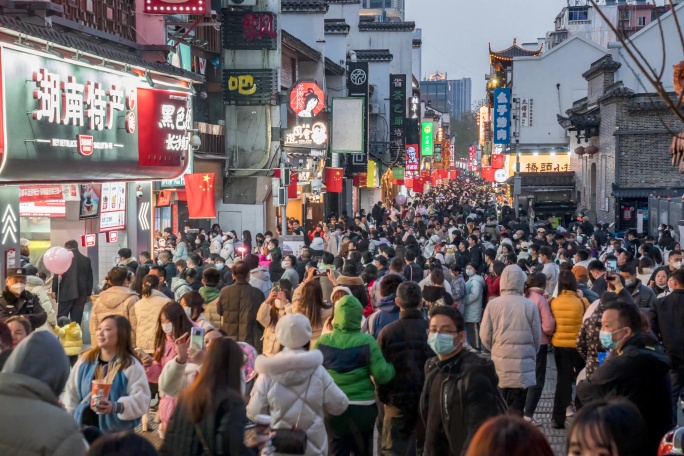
(15, 300)
(674, 262)
(637, 369)
(460, 391)
(643, 296)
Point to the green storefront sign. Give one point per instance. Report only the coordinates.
(427, 141)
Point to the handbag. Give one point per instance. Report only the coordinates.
(292, 441)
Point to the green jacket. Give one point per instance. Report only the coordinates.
(352, 357)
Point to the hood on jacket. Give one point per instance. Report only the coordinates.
(289, 367)
(177, 282)
(348, 314)
(512, 280)
(349, 281)
(40, 356)
(209, 293)
(112, 297)
(387, 303)
(260, 273)
(34, 281)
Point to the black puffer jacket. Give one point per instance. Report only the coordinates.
(26, 304)
(667, 322)
(404, 344)
(238, 305)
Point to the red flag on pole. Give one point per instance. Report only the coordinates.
(408, 182)
(292, 188)
(419, 184)
(200, 190)
(333, 179)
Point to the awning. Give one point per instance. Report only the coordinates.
(565, 179)
(646, 192)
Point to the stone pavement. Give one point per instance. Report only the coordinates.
(556, 437)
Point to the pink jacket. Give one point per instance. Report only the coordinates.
(154, 371)
(548, 323)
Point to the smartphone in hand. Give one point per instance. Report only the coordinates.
(196, 339)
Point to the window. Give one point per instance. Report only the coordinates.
(580, 13)
(641, 21)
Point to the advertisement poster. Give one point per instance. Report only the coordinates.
(113, 210)
(90, 200)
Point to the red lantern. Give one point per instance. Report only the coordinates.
(591, 150)
(580, 151)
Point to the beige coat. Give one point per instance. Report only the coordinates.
(271, 345)
(114, 301)
(147, 312)
(211, 314)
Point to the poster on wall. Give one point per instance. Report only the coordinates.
(113, 207)
(90, 200)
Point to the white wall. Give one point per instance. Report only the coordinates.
(537, 77)
(308, 27)
(240, 217)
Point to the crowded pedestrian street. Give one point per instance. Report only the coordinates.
(341, 228)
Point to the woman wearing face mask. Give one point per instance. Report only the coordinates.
(111, 360)
(182, 284)
(660, 287)
(260, 247)
(475, 287)
(290, 272)
(275, 269)
(182, 248)
(228, 249)
(193, 305)
(172, 324)
(276, 306)
(216, 242)
(147, 312)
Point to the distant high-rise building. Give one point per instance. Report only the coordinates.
(384, 10)
(447, 95)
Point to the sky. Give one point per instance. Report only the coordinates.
(456, 33)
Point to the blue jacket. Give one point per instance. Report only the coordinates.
(388, 312)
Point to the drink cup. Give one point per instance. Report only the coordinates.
(262, 426)
(100, 391)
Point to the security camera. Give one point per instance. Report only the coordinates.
(195, 142)
(316, 186)
(214, 15)
(300, 162)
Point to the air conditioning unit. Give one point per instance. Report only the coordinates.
(227, 3)
(374, 108)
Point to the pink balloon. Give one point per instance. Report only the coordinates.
(400, 199)
(57, 260)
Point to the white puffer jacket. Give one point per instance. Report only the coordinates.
(281, 388)
(36, 287)
(147, 312)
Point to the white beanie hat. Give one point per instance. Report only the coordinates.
(435, 239)
(293, 331)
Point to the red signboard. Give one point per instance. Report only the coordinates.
(194, 7)
(164, 118)
(112, 236)
(88, 240)
(412, 157)
(34, 193)
(307, 99)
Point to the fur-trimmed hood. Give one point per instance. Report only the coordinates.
(289, 367)
(349, 281)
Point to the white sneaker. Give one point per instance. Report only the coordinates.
(529, 419)
(569, 411)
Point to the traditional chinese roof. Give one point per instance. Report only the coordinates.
(576, 119)
(417, 43)
(343, 1)
(91, 47)
(513, 51)
(649, 102)
(336, 26)
(300, 47)
(605, 64)
(332, 68)
(617, 90)
(366, 25)
(374, 55)
(304, 6)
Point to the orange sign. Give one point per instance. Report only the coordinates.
(307, 99)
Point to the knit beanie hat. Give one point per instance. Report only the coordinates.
(293, 331)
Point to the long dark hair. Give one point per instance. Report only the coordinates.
(274, 309)
(140, 273)
(567, 281)
(181, 325)
(195, 301)
(220, 372)
(124, 343)
(312, 303)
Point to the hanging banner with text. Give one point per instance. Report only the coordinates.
(502, 116)
(397, 116)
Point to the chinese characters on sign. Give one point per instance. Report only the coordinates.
(166, 118)
(397, 118)
(412, 157)
(249, 87)
(177, 121)
(427, 140)
(546, 167)
(113, 207)
(502, 116)
(307, 135)
(483, 120)
(415, 107)
(249, 30)
(307, 99)
(198, 7)
(526, 112)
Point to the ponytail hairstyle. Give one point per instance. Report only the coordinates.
(150, 282)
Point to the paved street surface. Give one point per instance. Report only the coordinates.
(556, 437)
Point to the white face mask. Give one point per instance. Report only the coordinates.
(285, 264)
(470, 272)
(188, 312)
(677, 264)
(17, 288)
(167, 328)
(220, 266)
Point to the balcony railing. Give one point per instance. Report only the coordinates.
(213, 138)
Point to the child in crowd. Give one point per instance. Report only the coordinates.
(71, 337)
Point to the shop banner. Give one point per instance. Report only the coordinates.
(35, 193)
(427, 140)
(397, 115)
(372, 174)
(502, 116)
(412, 157)
(249, 30)
(398, 173)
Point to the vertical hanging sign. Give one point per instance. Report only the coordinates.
(397, 106)
(358, 86)
(427, 139)
(502, 116)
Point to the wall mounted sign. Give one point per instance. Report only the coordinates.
(502, 116)
(308, 135)
(90, 201)
(76, 123)
(249, 30)
(113, 207)
(427, 139)
(112, 236)
(88, 240)
(412, 157)
(358, 77)
(397, 116)
(249, 87)
(483, 119)
(167, 121)
(194, 7)
(307, 99)
(527, 112)
(415, 107)
(347, 126)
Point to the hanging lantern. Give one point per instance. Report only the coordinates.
(580, 150)
(591, 150)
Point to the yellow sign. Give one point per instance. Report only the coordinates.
(484, 118)
(371, 182)
(541, 163)
(243, 84)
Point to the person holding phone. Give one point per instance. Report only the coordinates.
(277, 305)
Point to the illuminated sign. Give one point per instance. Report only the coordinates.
(165, 120)
(412, 157)
(427, 141)
(88, 240)
(415, 107)
(249, 87)
(194, 7)
(249, 30)
(542, 163)
(312, 136)
(307, 99)
(112, 236)
(483, 120)
(113, 207)
(502, 116)
(397, 115)
(9, 225)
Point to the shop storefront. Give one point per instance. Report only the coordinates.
(81, 143)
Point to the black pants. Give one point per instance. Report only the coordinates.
(473, 335)
(352, 432)
(515, 400)
(398, 433)
(534, 392)
(676, 376)
(72, 309)
(568, 364)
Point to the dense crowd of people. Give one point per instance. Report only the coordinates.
(428, 324)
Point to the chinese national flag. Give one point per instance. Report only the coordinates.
(408, 182)
(200, 190)
(292, 188)
(419, 184)
(333, 179)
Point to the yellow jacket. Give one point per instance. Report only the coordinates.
(567, 309)
(71, 338)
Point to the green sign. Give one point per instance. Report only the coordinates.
(398, 173)
(427, 143)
